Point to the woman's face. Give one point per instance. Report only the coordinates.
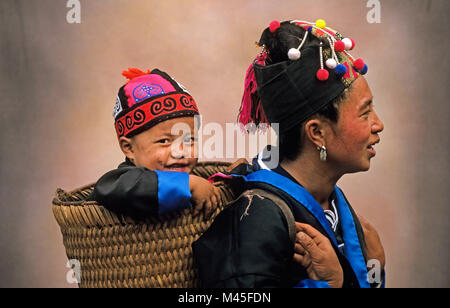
(167, 146)
(351, 145)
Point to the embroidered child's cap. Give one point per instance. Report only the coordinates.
(149, 98)
(302, 67)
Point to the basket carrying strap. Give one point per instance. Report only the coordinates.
(281, 204)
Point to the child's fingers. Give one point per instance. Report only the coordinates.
(197, 209)
(207, 208)
(195, 212)
(198, 206)
(214, 203)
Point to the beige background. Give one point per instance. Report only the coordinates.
(58, 82)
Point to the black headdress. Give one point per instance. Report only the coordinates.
(302, 67)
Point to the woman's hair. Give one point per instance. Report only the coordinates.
(291, 142)
(287, 37)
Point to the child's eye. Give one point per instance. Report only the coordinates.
(163, 141)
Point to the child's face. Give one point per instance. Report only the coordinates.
(167, 146)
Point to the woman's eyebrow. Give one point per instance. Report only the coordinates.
(366, 104)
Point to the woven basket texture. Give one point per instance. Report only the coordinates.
(115, 251)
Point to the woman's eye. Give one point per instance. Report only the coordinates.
(368, 111)
(163, 141)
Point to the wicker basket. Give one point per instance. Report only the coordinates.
(116, 251)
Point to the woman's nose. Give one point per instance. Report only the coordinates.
(378, 125)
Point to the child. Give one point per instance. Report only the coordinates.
(155, 178)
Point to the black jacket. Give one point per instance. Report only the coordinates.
(139, 192)
(254, 250)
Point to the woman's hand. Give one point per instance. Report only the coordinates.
(314, 252)
(374, 248)
(205, 196)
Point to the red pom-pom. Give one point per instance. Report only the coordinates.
(274, 25)
(339, 46)
(353, 44)
(359, 64)
(132, 73)
(323, 74)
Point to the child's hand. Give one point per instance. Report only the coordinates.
(205, 196)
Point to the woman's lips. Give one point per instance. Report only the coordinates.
(371, 150)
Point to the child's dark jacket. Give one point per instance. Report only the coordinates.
(139, 192)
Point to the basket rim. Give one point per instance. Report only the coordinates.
(56, 201)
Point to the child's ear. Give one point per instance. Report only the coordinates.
(126, 145)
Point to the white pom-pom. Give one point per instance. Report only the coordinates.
(294, 54)
(331, 64)
(348, 43)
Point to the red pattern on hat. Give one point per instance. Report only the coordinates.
(155, 111)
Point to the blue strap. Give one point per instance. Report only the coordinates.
(352, 246)
(309, 283)
(173, 191)
(297, 192)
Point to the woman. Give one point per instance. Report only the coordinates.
(305, 80)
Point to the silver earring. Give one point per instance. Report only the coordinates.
(323, 153)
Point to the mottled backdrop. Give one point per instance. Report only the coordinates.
(58, 82)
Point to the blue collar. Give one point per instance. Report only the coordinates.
(352, 246)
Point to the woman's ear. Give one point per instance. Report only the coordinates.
(315, 131)
(127, 147)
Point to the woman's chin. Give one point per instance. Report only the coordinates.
(363, 167)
